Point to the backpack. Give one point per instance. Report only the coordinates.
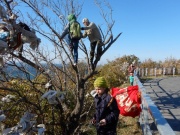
(128, 100)
(75, 30)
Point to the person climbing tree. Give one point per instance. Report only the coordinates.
(93, 33)
(72, 34)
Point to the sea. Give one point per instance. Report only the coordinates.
(23, 71)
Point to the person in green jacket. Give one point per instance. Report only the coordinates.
(68, 34)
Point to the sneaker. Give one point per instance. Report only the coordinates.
(75, 64)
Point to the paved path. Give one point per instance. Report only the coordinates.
(165, 93)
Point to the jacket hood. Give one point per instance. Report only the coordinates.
(71, 18)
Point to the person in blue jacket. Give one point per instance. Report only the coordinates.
(107, 113)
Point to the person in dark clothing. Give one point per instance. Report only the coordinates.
(107, 113)
(131, 68)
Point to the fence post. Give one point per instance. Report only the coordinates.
(173, 71)
(142, 74)
(164, 71)
(146, 72)
(139, 72)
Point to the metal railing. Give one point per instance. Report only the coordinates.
(150, 109)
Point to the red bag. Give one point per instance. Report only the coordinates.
(128, 100)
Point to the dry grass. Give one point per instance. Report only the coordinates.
(128, 126)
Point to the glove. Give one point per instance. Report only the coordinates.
(82, 28)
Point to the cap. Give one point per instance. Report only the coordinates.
(85, 20)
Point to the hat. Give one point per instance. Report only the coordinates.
(100, 82)
(85, 20)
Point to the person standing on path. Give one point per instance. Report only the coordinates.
(107, 113)
(131, 78)
(131, 69)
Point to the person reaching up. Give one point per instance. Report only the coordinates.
(94, 35)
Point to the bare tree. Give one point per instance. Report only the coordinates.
(48, 18)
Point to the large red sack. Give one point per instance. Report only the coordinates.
(128, 100)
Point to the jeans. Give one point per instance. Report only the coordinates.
(74, 44)
(131, 83)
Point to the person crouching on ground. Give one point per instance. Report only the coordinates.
(107, 113)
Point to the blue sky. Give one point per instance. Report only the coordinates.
(151, 28)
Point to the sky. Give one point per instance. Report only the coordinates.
(150, 28)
